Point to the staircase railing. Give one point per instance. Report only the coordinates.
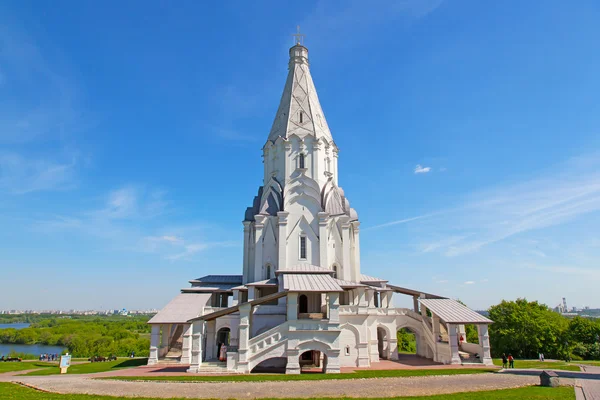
(268, 338)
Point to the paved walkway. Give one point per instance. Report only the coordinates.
(589, 389)
(382, 387)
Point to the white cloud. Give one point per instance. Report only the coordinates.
(469, 282)
(419, 169)
(20, 175)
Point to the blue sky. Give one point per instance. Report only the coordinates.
(130, 137)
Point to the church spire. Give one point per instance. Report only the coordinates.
(299, 111)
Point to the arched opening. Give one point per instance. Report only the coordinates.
(301, 161)
(313, 361)
(222, 338)
(382, 343)
(302, 304)
(274, 365)
(407, 341)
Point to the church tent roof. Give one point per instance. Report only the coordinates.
(453, 312)
(310, 283)
(182, 308)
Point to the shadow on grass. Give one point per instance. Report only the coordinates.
(133, 362)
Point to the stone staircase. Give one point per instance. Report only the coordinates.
(214, 367)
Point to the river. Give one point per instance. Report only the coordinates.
(36, 349)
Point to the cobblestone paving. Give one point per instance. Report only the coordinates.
(379, 387)
(590, 388)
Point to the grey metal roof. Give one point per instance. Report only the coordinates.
(303, 269)
(182, 308)
(367, 278)
(348, 284)
(236, 279)
(452, 312)
(310, 283)
(266, 282)
(210, 288)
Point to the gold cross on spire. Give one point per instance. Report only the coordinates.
(299, 37)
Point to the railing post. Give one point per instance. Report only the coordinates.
(197, 334)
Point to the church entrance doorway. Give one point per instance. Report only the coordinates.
(382, 343)
(222, 338)
(312, 361)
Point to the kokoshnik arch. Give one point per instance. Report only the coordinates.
(301, 297)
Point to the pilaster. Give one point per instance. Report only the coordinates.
(246, 269)
(196, 352)
(334, 308)
(346, 248)
(453, 339)
(356, 266)
(323, 256)
(292, 307)
(282, 240)
(259, 225)
(186, 348)
(245, 310)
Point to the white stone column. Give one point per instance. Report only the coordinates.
(371, 298)
(334, 308)
(234, 333)
(453, 339)
(251, 293)
(484, 342)
(356, 267)
(416, 303)
(196, 351)
(154, 343)
(362, 300)
(282, 239)
(462, 331)
(236, 298)
(259, 224)
(292, 307)
(186, 348)
(335, 166)
(246, 274)
(346, 248)
(211, 338)
(323, 256)
(316, 158)
(245, 310)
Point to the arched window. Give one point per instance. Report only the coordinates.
(268, 271)
(301, 161)
(302, 247)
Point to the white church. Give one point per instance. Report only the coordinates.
(302, 300)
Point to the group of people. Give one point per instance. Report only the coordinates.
(49, 357)
(508, 361)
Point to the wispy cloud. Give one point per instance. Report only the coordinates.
(558, 196)
(469, 283)
(419, 169)
(20, 175)
(401, 221)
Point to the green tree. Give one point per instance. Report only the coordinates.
(525, 329)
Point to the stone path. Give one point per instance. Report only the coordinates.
(380, 387)
(589, 388)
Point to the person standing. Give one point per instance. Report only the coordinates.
(504, 361)
(511, 361)
(223, 352)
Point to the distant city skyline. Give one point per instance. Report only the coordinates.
(468, 137)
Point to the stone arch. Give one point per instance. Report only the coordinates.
(349, 345)
(313, 345)
(383, 341)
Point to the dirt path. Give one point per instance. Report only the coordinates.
(381, 387)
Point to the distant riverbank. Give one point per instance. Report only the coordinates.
(16, 325)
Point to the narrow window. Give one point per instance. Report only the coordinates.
(347, 350)
(301, 116)
(301, 161)
(335, 271)
(303, 247)
(268, 270)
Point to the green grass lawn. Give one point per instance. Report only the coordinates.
(22, 366)
(90, 368)
(535, 364)
(306, 377)
(14, 392)
(594, 363)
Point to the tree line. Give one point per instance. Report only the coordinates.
(526, 328)
(86, 336)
